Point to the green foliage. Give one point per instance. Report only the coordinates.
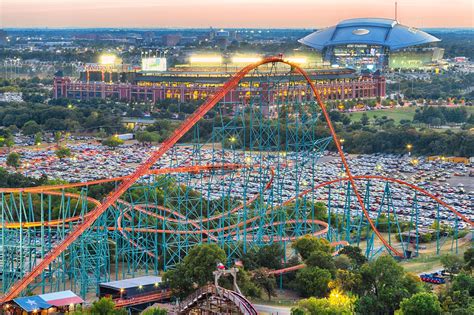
(154, 311)
(348, 281)
(364, 120)
(31, 127)
(463, 282)
(452, 263)
(458, 298)
(314, 306)
(38, 138)
(312, 281)
(63, 152)
(421, 303)
(265, 281)
(112, 142)
(196, 268)
(16, 180)
(384, 285)
(13, 160)
(469, 258)
(343, 262)
(269, 256)
(308, 244)
(322, 260)
(104, 306)
(355, 255)
(146, 137)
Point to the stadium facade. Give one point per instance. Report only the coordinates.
(375, 44)
(196, 83)
(184, 86)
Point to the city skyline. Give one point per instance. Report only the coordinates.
(230, 13)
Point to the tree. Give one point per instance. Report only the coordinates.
(308, 244)
(312, 281)
(364, 120)
(463, 282)
(354, 254)
(31, 127)
(62, 152)
(154, 311)
(264, 280)
(57, 137)
(269, 256)
(347, 281)
(13, 160)
(336, 304)
(112, 142)
(452, 264)
(422, 303)
(342, 261)
(104, 306)
(469, 259)
(146, 137)
(384, 285)
(38, 138)
(196, 268)
(322, 260)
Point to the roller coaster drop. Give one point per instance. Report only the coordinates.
(250, 183)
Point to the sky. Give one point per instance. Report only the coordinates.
(229, 13)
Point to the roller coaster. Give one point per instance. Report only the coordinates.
(240, 181)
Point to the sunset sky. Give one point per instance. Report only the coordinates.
(228, 13)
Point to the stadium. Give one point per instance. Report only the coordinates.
(201, 75)
(375, 44)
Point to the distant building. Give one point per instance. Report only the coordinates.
(375, 44)
(171, 40)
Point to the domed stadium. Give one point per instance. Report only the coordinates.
(375, 44)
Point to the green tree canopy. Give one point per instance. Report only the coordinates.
(265, 281)
(384, 285)
(312, 281)
(112, 142)
(421, 303)
(308, 244)
(13, 160)
(196, 269)
(63, 152)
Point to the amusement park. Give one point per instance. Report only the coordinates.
(241, 171)
(230, 190)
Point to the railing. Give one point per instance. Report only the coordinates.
(237, 299)
(143, 298)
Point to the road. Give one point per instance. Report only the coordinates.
(272, 310)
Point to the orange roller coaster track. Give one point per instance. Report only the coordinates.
(144, 168)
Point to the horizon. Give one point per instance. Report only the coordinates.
(258, 14)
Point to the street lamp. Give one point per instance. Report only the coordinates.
(341, 141)
(409, 147)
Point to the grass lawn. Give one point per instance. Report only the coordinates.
(396, 114)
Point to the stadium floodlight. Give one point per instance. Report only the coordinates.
(246, 59)
(298, 60)
(107, 59)
(205, 59)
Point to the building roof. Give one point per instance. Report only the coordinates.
(61, 298)
(371, 31)
(131, 283)
(45, 301)
(32, 303)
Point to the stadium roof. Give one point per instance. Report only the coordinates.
(371, 31)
